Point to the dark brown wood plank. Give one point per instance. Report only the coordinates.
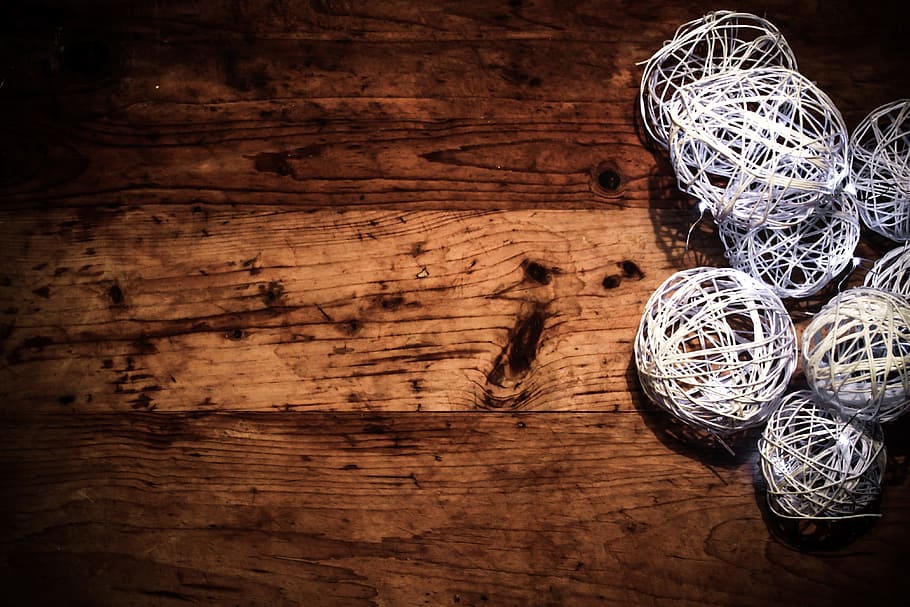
(407, 509)
(507, 106)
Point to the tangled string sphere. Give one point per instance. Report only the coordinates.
(892, 272)
(880, 169)
(856, 353)
(762, 144)
(798, 259)
(716, 348)
(818, 464)
(717, 42)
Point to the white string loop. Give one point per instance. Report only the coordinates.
(799, 259)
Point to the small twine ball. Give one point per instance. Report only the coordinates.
(892, 272)
(799, 259)
(818, 464)
(856, 353)
(880, 169)
(761, 144)
(717, 42)
(715, 348)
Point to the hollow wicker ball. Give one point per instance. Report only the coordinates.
(880, 169)
(817, 463)
(715, 348)
(856, 353)
(712, 44)
(892, 272)
(761, 144)
(799, 259)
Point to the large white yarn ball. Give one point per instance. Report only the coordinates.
(798, 259)
(716, 348)
(762, 145)
(817, 463)
(856, 353)
(714, 43)
(880, 169)
(892, 272)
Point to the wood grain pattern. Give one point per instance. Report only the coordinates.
(372, 310)
(366, 509)
(337, 105)
(332, 303)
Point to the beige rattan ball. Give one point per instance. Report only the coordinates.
(856, 353)
(818, 464)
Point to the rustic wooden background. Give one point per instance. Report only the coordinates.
(332, 303)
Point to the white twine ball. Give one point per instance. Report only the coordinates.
(880, 169)
(892, 272)
(798, 259)
(712, 44)
(856, 353)
(715, 348)
(818, 464)
(761, 144)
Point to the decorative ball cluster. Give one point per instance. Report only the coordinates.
(856, 354)
(767, 154)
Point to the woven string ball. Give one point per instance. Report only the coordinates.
(715, 348)
(856, 353)
(818, 464)
(798, 259)
(880, 169)
(709, 45)
(761, 144)
(892, 272)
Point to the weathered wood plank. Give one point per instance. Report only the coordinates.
(407, 509)
(395, 105)
(175, 308)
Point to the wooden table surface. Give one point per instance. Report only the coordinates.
(332, 303)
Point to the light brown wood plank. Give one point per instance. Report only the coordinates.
(407, 509)
(174, 308)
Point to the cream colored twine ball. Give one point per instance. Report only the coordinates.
(714, 43)
(762, 144)
(817, 463)
(856, 353)
(799, 259)
(880, 169)
(892, 272)
(716, 348)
